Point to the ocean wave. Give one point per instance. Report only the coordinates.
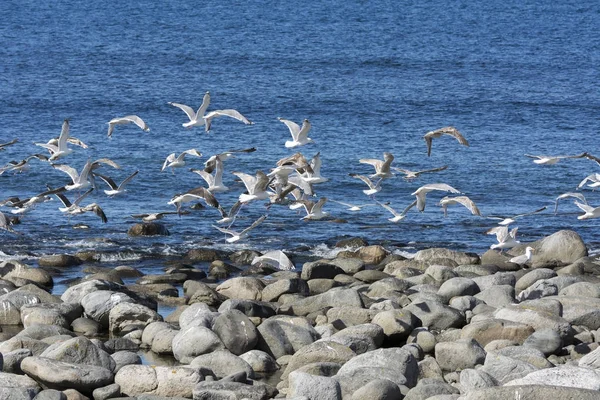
(8, 257)
(121, 256)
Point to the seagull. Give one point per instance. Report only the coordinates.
(276, 259)
(156, 216)
(410, 175)
(504, 220)
(256, 186)
(127, 120)
(179, 161)
(195, 194)
(506, 239)
(299, 134)
(421, 192)
(59, 149)
(464, 200)
(114, 188)
(314, 211)
(382, 168)
(4, 145)
(210, 164)
(397, 216)
(590, 212)
(5, 224)
(594, 178)
(352, 207)
(215, 182)
(23, 165)
(235, 236)
(71, 139)
(373, 187)
(84, 179)
(228, 218)
(22, 206)
(549, 160)
(297, 161)
(75, 209)
(577, 195)
(313, 175)
(523, 258)
(199, 118)
(449, 130)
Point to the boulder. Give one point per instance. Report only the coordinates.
(221, 363)
(175, 381)
(557, 250)
(313, 387)
(126, 316)
(148, 229)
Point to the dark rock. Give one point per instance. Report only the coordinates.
(148, 229)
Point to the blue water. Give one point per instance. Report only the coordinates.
(514, 77)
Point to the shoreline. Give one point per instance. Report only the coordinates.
(438, 321)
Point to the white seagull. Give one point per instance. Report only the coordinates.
(594, 178)
(421, 192)
(314, 211)
(84, 179)
(507, 220)
(149, 217)
(23, 165)
(410, 175)
(22, 206)
(313, 174)
(523, 258)
(193, 195)
(114, 188)
(210, 164)
(397, 216)
(549, 160)
(299, 134)
(506, 239)
(59, 149)
(450, 131)
(382, 167)
(256, 186)
(577, 195)
(229, 217)
(353, 207)
(463, 200)
(75, 209)
(215, 182)
(373, 187)
(590, 212)
(127, 120)
(235, 236)
(200, 118)
(179, 161)
(276, 259)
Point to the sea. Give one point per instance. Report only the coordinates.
(514, 77)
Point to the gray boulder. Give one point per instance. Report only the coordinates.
(559, 249)
(313, 387)
(562, 375)
(193, 341)
(337, 297)
(128, 315)
(176, 381)
(531, 392)
(221, 363)
(435, 315)
(279, 336)
(378, 389)
(80, 350)
(236, 331)
(242, 287)
(459, 355)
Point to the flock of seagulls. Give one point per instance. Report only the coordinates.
(292, 182)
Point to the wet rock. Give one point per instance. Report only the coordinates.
(243, 257)
(58, 261)
(206, 255)
(16, 270)
(148, 229)
(354, 242)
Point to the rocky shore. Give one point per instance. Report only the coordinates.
(367, 324)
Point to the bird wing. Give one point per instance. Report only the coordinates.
(77, 142)
(106, 161)
(315, 163)
(431, 170)
(371, 161)
(3, 145)
(591, 157)
(226, 231)
(303, 133)
(170, 158)
(532, 156)
(127, 180)
(97, 210)
(438, 186)
(389, 208)
(428, 141)
(64, 135)
(204, 106)
(276, 258)
(293, 127)
(576, 195)
(530, 213)
(365, 179)
(319, 205)
(80, 198)
(501, 233)
(205, 175)
(208, 197)
(584, 207)
(72, 172)
(225, 113)
(465, 201)
(262, 181)
(138, 121)
(249, 180)
(186, 109)
(254, 225)
(108, 181)
(411, 205)
(452, 131)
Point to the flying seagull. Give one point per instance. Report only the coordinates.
(421, 192)
(59, 149)
(235, 236)
(373, 187)
(397, 216)
(149, 217)
(507, 220)
(5, 224)
(549, 160)
(410, 175)
(255, 185)
(590, 212)
(84, 179)
(299, 134)
(353, 207)
(450, 131)
(382, 167)
(4, 145)
(114, 188)
(75, 209)
(215, 182)
(200, 118)
(577, 195)
(463, 200)
(195, 194)
(127, 120)
(314, 211)
(177, 162)
(210, 164)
